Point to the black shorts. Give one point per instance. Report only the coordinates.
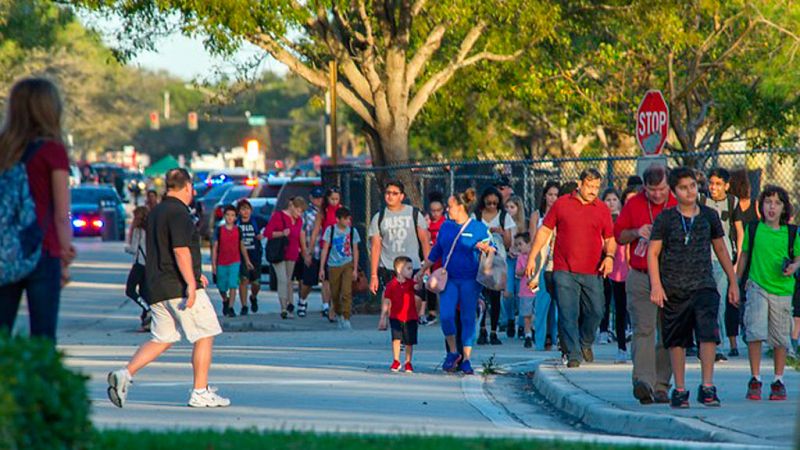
(385, 276)
(297, 275)
(690, 314)
(250, 276)
(310, 273)
(405, 332)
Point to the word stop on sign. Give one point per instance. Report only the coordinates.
(649, 127)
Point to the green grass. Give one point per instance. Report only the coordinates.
(244, 440)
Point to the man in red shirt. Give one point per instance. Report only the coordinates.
(583, 256)
(651, 366)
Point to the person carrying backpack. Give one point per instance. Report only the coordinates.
(36, 244)
(769, 260)
(136, 286)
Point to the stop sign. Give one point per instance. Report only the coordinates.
(652, 123)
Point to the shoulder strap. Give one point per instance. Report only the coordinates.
(455, 241)
(415, 214)
(503, 214)
(381, 213)
(751, 235)
(31, 149)
(792, 238)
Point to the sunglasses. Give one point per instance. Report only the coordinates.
(392, 193)
(491, 203)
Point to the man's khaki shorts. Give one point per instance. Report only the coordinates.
(198, 322)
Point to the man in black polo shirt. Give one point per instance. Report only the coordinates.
(177, 295)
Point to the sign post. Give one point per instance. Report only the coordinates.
(652, 127)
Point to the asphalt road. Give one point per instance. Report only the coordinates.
(321, 380)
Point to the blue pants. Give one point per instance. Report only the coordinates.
(43, 288)
(544, 322)
(510, 302)
(463, 293)
(580, 305)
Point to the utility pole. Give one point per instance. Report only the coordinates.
(166, 105)
(333, 69)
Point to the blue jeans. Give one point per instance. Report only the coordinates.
(580, 306)
(43, 288)
(464, 294)
(543, 325)
(510, 302)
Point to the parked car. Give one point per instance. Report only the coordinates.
(88, 213)
(205, 206)
(297, 187)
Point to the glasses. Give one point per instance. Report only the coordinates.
(491, 203)
(392, 193)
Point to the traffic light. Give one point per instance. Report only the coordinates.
(191, 121)
(154, 121)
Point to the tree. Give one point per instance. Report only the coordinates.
(393, 55)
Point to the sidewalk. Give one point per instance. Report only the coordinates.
(599, 396)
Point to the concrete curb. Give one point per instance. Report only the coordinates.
(601, 415)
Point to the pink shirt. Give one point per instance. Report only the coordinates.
(522, 263)
(619, 272)
(281, 221)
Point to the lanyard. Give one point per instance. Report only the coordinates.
(687, 230)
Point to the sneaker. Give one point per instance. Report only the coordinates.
(284, 314)
(395, 367)
(339, 322)
(325, 309)
(777, 391)
(422, 320)
(733, 353)
(643, 392)
(118, 383)
(510, 329)
(691, 351)
(622, 357)
(573, 364)
(432, 319)
(346, 325)
(494, 340)
(208, 398)
(224, 310)
(290, 308)
(680, 399)
(231, 312)
(720, 358)
(707, 395)
(408, 368)
(528, 342)
(302, 309)
(483, 337)
(254, 304)
(243, 311)
(661, 397)
(754, 389)
(603, 339)
(466, 368)
(588, 354)
(451, 362)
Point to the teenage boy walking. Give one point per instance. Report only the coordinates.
(651, 367)
(250, 230)
(682, 281)
(177, 295)
(584, 254)
(226, 259)
(727, 208)
(770, 257)
(340, 260)
(310, 257)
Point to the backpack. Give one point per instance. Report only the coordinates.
(22, 237)
(751, 235)
(414, 214)
(733, 203)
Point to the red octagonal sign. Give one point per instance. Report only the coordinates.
(652, 123)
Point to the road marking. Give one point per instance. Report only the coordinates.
(250, 383)
(92, 285)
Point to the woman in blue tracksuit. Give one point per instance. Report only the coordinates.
(462, 268)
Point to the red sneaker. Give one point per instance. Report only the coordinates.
(395, 366)
(777, 391)
(753, 389)
(409, 368)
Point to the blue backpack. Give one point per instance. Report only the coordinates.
(21, 237)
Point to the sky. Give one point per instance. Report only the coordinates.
(183, 56)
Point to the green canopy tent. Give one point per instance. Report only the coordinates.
(160, 167)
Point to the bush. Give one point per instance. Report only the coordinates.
(43, 405)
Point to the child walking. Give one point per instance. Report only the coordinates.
(522, 246)
(340, 258)
(769, 259)
(226, 257)
(682, 283)
(136, 287)
(399, 305)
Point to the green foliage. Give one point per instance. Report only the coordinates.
(43, 405)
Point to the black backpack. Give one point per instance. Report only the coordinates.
(751, 235)
(733, 203)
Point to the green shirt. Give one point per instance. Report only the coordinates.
(766, 261)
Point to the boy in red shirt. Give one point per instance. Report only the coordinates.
(400, 305)
(226, 256)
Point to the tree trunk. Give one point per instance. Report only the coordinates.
(390, 147)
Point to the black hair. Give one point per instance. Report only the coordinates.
(400, 261)
(435, 196)
(720, 173)
(543, 201)
(568, 188)
(177, 179)
(772, 190)
(525, 236)
(331, 190)
(228, 208)
(342, 213)
(740, 184)
(629, 190)
(488, 192)
(610, 191)
(679, 173)
(654, 175)
(590, 174)
(634, 180)
(152, 191)
(243, 203)
(396, 183)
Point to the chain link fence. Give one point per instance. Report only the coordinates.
(362, 186)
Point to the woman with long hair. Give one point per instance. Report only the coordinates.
(545, 309)
(489, 210)
(136, 286)
(467, 238)
(31, 134)
(288, 223)
(326, 217)
(515, 208)
(748, 211)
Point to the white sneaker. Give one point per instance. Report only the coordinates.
(208, 398)
(604, 338)
(346, 325)
(622, 357)
(118, 383)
